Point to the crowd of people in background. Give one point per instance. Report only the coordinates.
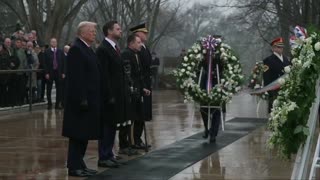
(102, 90)
(23, 51)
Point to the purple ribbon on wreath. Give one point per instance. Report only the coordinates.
(210, 44)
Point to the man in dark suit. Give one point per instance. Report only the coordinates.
(12, 78)
(145, 56)
(274, 67)
(137, 88)
(115, 92)
(82, 109)
(54, 71)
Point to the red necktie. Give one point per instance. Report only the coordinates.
(55, 62)
(117, 49)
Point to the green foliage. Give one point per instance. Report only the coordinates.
(289, 123)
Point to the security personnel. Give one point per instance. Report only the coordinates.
(145, 56)
(274, 67)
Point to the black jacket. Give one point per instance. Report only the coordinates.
(146, 58)
(48, 62)
(82, 89)
(115, 86)
(40, 75)
(274, 68)
(136, 79)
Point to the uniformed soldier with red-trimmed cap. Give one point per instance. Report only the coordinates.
(274, 67)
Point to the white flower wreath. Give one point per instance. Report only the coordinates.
(187, 75)
(290, 112)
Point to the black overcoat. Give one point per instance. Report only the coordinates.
(82, 88)
(115, 87)
(146, 59)
(137, 84)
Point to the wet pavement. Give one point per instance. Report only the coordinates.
(31, 145)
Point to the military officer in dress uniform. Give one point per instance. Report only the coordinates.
(137, 89)
(274, 67)
(145, 56)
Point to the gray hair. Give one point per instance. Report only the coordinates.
(82, 25)
(30, 43)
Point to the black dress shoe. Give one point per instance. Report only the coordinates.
(118, 157)
(206, 134)
(49, 106)
(212, 139)
(119, 162)
(108, 164)
(79, 173)
(92, 171)
(140, 146)
(128, 151)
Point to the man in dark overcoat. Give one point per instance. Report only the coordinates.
(14, 63)
(82, 108)
(115, 93)
(145, 56)
(54, 61)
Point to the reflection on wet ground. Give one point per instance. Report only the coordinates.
(31, 145)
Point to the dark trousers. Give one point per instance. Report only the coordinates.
(125, 137)
(57, 81)
(105, 145)
(63, 85)
(137, 131)
(43, 87)
(21, 88)
(215, 120)
(3, 95)
(272, 97)
(77, 150)
(148, 107)
(13, 91)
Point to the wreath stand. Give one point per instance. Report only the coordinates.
(222, 117)
(258, 106)
(259, 101)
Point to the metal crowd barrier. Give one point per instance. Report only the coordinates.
(29, 72)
